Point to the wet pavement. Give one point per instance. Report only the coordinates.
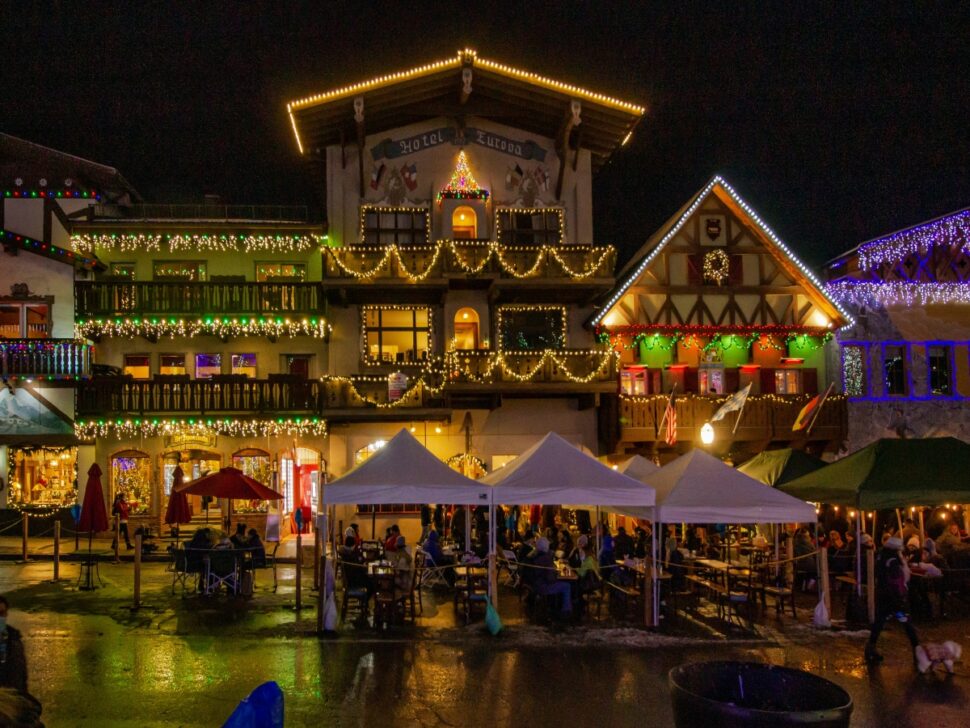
(187, 662)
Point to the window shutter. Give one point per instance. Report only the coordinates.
(732, 380)
(690, 379)
(767, 381)
(735, 270)
(810, 381)
(695, 269)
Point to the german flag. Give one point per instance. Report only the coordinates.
(810, 411)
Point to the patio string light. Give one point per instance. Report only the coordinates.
(188, 328)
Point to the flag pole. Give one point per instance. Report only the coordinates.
(818, 409)
(740, 412)
(664, 418)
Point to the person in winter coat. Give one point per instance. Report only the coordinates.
(892, 579)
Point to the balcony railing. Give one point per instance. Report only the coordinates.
(56, 358)
(237, 394)
(765, 417)
(562, 366)
(114, 298)
(468, 258)
(276, 213)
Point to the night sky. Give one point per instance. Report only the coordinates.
(837, 123)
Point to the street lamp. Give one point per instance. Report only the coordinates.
(707, 433)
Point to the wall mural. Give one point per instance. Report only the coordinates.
(23, 414)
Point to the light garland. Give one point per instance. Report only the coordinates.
(725, 337)
(786, 399)
(152, 427)
(52, 194)
(51, 251)
(949, 231)
(154, 242)
(898, 293)
(530, 211)
(462, 185)
(601, 265)
(499, 361)
(368, 359)
(719, 181)
(411, 396)
(500, 311)
(378, 209)
(717, 267)
(70, 359)
(854, 369)
(188, 328)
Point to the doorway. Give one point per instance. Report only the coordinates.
(195, 463)
(466, 329)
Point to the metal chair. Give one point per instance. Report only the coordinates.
(222, 569)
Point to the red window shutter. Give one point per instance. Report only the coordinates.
(810, 381)
(690, 379)
(732, 380)
(695, 269)
(735, 270)
(767, 381)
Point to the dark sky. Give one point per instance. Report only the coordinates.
(837, 121)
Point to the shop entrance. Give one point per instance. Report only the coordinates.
(195, 463)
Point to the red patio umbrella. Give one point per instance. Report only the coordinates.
(178, 510)
(229, 483)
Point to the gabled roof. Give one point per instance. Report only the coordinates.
(744, 212)
(521, 99)
(31, 163)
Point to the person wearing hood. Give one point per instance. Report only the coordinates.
(892, 579)
(547, 577)
(437, 557)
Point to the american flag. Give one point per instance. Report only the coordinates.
(670, 416)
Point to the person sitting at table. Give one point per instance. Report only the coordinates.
(675, 565)
(547, 578)
(223, 544)
(607, 555)
(805, 566)
(641, 543)
(713, 549)
(403, 565)
(950, 542)
(586, 565)
(622, 544)
(393, 533)
(565, 543)
(254, 545)
(932, 555)
(437, 558)
(909, 530)
(352, 565)
(239, 537)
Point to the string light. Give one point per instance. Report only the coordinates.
(948, 231)
(717, 266)
(152, 427)
(188, 328)
(788, 399)
(462, 185)
(666, 337)
(153, 242)
(481, 367)
(717, 181)
(53, 194)
(51, 251)
(45, 359)
(899, 293)
(854, 370)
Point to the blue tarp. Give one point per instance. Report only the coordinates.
(262, 709)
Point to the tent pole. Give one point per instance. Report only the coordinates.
(468, 528)
(899, 522)
(655, 571)
(492, 571)
(596, 533)
(858, 553)
(922, 529)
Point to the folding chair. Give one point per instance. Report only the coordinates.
(429, 574)
(512, 566)
(179, 569)
(222, 569)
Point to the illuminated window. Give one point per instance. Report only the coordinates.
(256, 464)
(854, 379)
(207, 365)
(282, 272)
(24, 320)
(633, 381)
(244, 364)
(124, 271)
(42, 476)
(464, 223)
(138, 366)
(532, 329)
(179, 270)
(939, 370)
(530, 227)
(384, 226)
(710, 380)
(131, 474)
(171, 364)
(894, 370)
(788, 381)
(466, 329)
(397, 335)
(299, 478)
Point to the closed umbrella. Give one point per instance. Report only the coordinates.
(94, 516)
(178, 510)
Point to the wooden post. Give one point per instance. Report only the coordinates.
(790, 560)
(137, 571)
(24, 520)
(823, 579)
(117, 540)
(299, 574)
(648, 618)
(922, 529)
(871, 583)
(57, 550)
(316, 558)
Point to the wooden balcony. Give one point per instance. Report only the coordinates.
(336, 399)
(45, 358)
(550, 372)
(93, 299)
(766, 419)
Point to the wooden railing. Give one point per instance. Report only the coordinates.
(58, 358)
(468, 257)
(111, 298)
(768, 417)
(235, 394)
(155, 211)
(572, 366)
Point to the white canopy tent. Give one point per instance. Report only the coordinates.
(638, 467)
(554, 472)
(404, 471)
(699, 488)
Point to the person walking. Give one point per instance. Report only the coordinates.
(892, 579)
(121, 509)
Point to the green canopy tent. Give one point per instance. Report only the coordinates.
(776, 467)
(892, 474)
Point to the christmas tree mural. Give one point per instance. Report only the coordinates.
(462, 185)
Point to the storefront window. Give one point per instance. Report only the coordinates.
(43, 476)
(257, 465)
(131, 474)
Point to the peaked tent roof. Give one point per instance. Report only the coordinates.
(775, 467)
(699, 488)
(555, 472)
(783, 254)
(521, 99)
(638, 467)
(892, 474)
(404, 471)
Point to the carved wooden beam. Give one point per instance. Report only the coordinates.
(570, 121)
(466, 85)
(579, 144)
(361, 136)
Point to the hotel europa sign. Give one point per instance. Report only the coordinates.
(393, 148)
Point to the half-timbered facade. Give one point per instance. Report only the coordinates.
(904, 363)
(712, 303)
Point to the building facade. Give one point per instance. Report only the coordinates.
(905, 363)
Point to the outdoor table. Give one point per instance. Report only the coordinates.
(565, 572)
(933, 584)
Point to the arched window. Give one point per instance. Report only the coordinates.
(131, 474)
(466, 328)
(464, 223)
